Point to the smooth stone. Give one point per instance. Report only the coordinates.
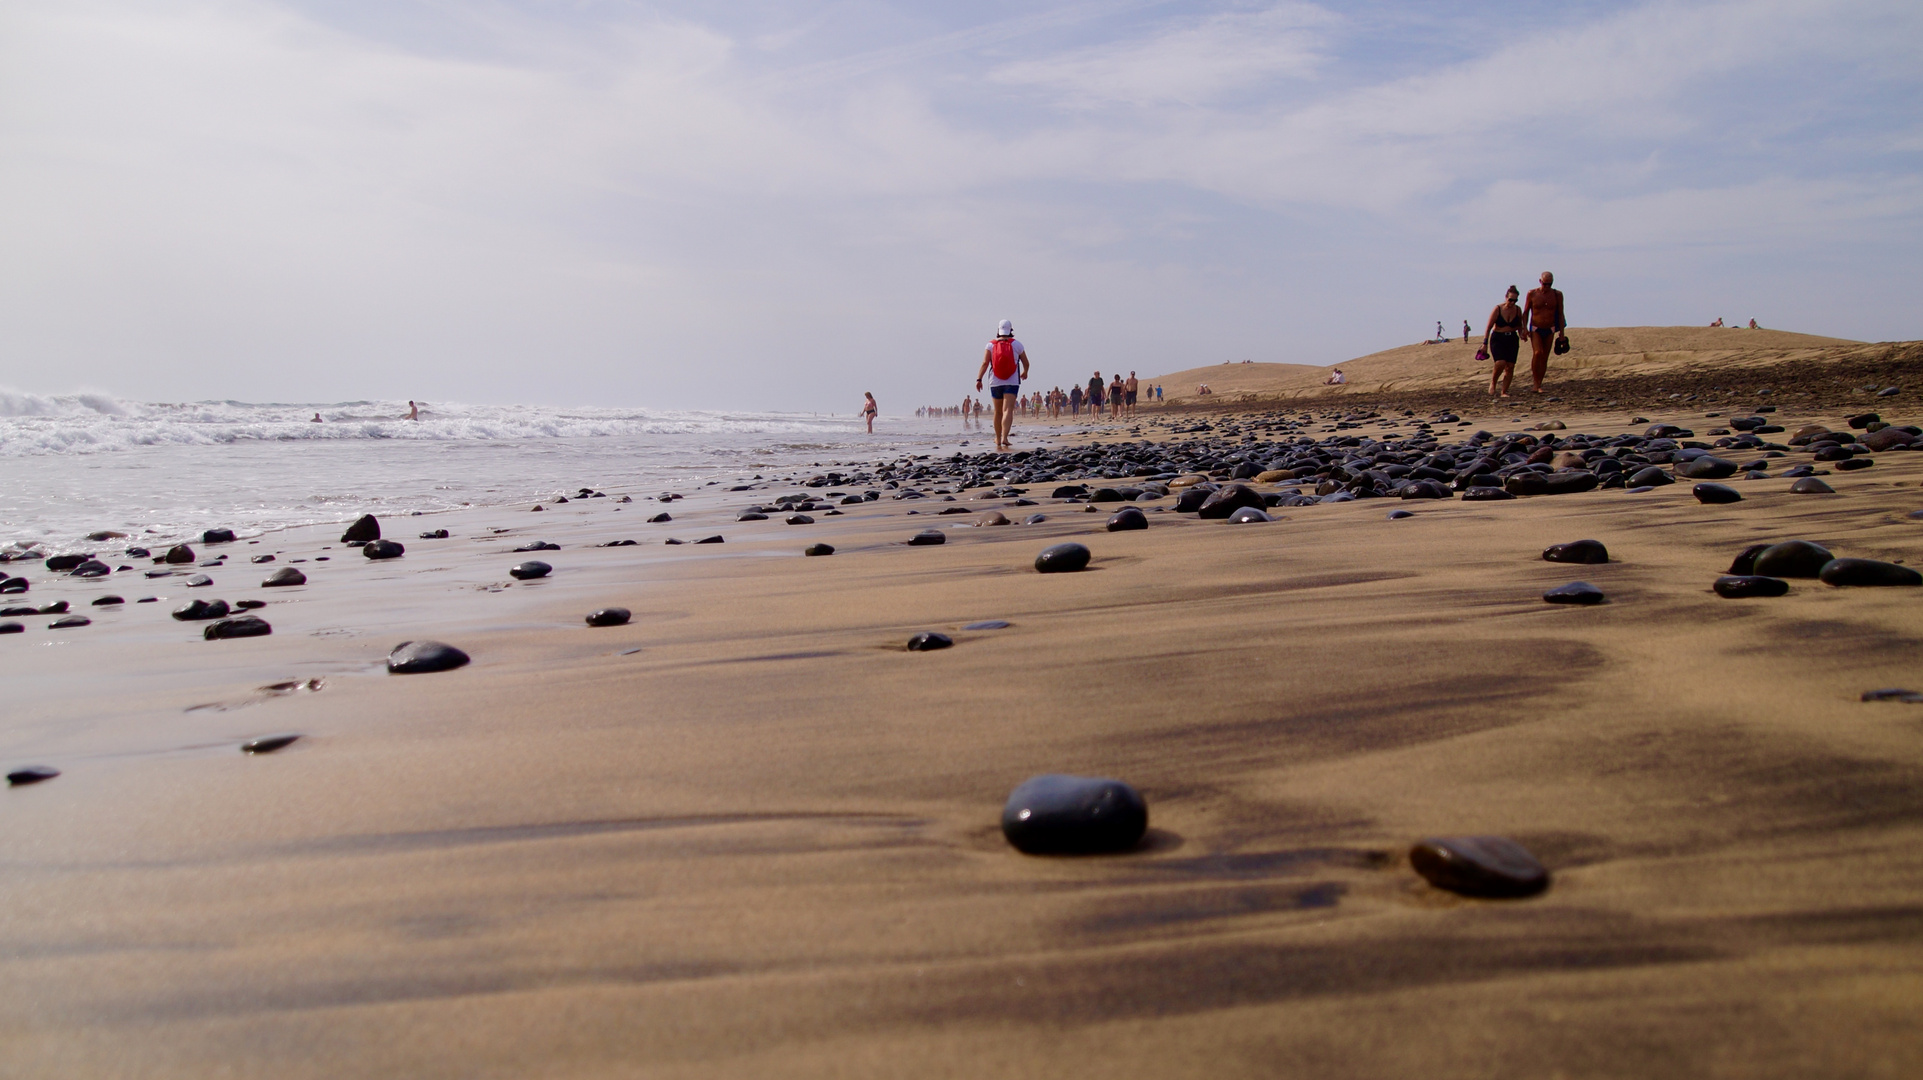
(1034, 519)
(928, 641)
(1191, 499)
(1057, 814)
(105, 601)
(261, 559)
(1526, 484)
(1248, 515)
(1576, 592)
(1792, 559)
(1862, 420)
(1062, 559)
(662, 519)
(420, 657)
(195, 610)
(538, 545)
(994, 517)
(617, 543)
(528, 571)
(988, 624)
(800, 519)
(178, 554)
(70, 622)
(1910, 696)
(244, 626)
(92, 568)
(198, 581)
(434, 534)
(12, 628)
(106, 534)
(286, 575)
(927, 538)
(1810, 485)
(1488, 866)
(267, 744)
(1487, 494)
(8, 612)
(1747, 586)
(1706, 468)
(364, 529)
(609, 616)
(1842, 572)
(217, 536)
(62, 564)
(1853, 464)
(383, 549)
(1398, 515)
(1228, 500)
(1127, 520)
(55, 607)
(710, 540)
(751, 515)
(1715, 493)
(1745, 564)
(1576, 551)
(818, 549)
(1653, 476)
(1426, 489)
(249, 605)
(32, 774)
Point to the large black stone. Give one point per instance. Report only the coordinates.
(1810, 485)
(1705, 468)
(1062, 559)
(1426, 489)
(420, 657)
(197, 610)
(928, 641)
(1653, 476)
(711, 540)
(178, 554)
(1576, 592)
(244, 626)
(818, 549)
(1855, 463)
(928, 537)
(383, 549)
(217, 536)
(1490, 866)
(198, 581)
(1715, 493)
(362, 530)
(1191, 500)
(1571, 481)
(12, 628)
(62, 564)
(1748, 586)
(1745, 563)
(1577, 551)
(92, 568)
(108, 601)
(609, 616)
(1074, 815)
(531, 569)
(1228, 500)
(286, 575)
(1127, 519)
(1868, 572)
(1249, 515)
(1791, 558)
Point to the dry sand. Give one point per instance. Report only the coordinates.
(748, 834)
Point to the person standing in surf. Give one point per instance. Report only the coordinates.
(869, 409)
(1005, 362)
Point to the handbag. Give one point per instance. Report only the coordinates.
(1562, 344)
(1482, 355)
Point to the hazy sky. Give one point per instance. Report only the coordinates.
(774, 204)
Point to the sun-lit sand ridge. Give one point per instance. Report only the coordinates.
(749, 834)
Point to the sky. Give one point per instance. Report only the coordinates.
(778, 205)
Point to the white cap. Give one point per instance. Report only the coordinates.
(1006, 329)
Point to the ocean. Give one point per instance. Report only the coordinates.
(75, 464)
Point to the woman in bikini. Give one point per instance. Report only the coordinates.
(869, 409)
(1501, 339)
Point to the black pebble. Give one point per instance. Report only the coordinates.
(538, 545)
(531, 569)
(1910, 696)
(362, 530)
(989, 624)
(1810, 485)
(196, 610)
(1062, 559)
(1746, 586)
(1577, 551)
(105, 601)
(1491, 866)
(1249, 515)
(179, 553)
(420, 657)
(435, 534)
(1128, 519)
(55, 607)
(249, 605)
(244, 626)
(64, 563)
(609, 616)
(285, 576)
(1716, 493)
(12, 628)
(32, 774)
(1791, 558)
(383, 549)
(1034, 519)
(1706, 468)
(92, 568)
(800, 519)
(267, 744)
(1841, 572)
(1853, 464)
(660, 519)
(928, 641)
(1745, 563)
(1576, 592)
(197, 581)
(710, 540)
(217, 536)
(70, 622)
(818, 549)
(1074, 815)
(751, 515)
(1398, 515)
(262, 559)
(928, 537)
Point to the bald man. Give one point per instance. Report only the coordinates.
(1546, 324)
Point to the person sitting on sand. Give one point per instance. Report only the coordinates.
(1502, 338)
(1717, 323)
(1336, 378)
(869, 409)
(1753, 326)
(1546, 325)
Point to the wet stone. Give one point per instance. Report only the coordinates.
(62, 564)
(363, 530)
(32, 774)
(1853, 464)
(178, 554)
(1248, 515)
(92, 568)
(217, 536)
(1128, 519)
(198, 581)
(1867, 572)
(1745, 563)
(285, 576)
(531, 569)
(196, 610)
(1715, 494)
(800, 519)
(710, 540)
(242, 627)
(1810, 485)
(818, 549)
(383, 549)
(927, 538)
(1228, 500)
(1034, 519)
(261, 559)
(249, 605)
(1398, 515)
(1653, 476)
(434, 534)
(1058, 814)
(421, 657)
(70, 622)
(1486, 494)
(928, 641)
(609, 616)
(12, 628)
(55, 607)
(1062, 559)
(1791, 559)
(746, 515)
(663, 518)
(267, 744)
(1576, 551)
(1749, 586)
(538, 545)
(1576, 592)
(1910, 696)
(993, 517)
(107, 601)
(1487, 866)
(1706, 468)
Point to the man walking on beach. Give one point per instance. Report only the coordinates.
(1131, 388)
(1546, 325)
(1006, 364)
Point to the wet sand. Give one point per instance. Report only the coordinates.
(750, 834)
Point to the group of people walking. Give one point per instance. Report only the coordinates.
(1542, 318)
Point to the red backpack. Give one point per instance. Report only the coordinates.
(1002, 356)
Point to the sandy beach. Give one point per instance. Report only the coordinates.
(749, 833)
